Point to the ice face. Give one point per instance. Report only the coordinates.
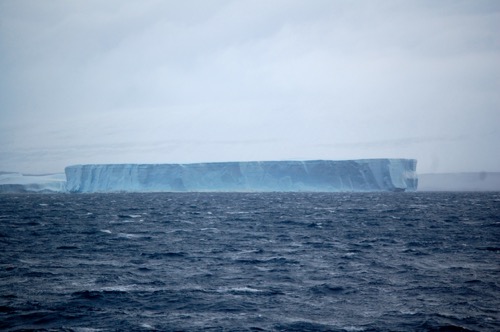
(314, 175)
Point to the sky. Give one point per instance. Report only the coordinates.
(155, 81)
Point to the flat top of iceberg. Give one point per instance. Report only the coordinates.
(253, 161)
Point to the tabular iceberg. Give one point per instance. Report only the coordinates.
(312, 175)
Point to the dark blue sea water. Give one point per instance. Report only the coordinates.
(250, 262)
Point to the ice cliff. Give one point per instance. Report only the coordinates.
(314, 175)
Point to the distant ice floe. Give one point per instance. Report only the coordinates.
(18, 182)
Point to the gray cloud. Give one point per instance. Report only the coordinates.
(400, 142)
(87, 81)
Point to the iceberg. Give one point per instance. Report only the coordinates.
(363, 175)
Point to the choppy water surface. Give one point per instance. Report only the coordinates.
(251, 262)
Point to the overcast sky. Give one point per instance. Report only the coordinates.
(194, 81)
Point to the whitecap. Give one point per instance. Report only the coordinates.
(118, 288)
(128, 236)
(352, 328)
(211, 229)
(244, 289)
(147, 326)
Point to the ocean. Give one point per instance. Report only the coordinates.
(250, 262)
